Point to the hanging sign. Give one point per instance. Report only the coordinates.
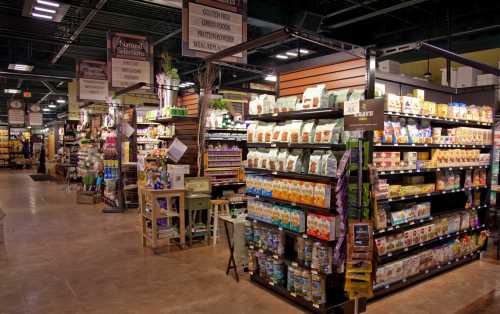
(130, 60)
(92, 80)
(209, 26)
(16, 112)
(35, 116)
(368, 115)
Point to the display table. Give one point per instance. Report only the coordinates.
(237, 249)
(153, 216)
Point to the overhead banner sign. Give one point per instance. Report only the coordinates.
(16, 112)
(209, 26)
(92, 80)
(35, 117)
(130, 60)
(364, 115)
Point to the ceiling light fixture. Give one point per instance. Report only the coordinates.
(43, 16)
(291, 53)
(61, 101)
(36, 8)
(280, 56)
(304, 51)
(46, 109)
(270, 78)
(49, 3)
(20, 67)
(52, 106)
(11, 91)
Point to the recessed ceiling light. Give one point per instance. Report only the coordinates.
(49, 3)
(280, 56)
(270, 78)
(304, 51)
(291, 53)
(11, 91)
(52, 106)
(37, 8)
(43, 16)
(61, 101)
(20, 67)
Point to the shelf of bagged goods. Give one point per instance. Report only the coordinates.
(297, 146)
(290, 232)
(229, 130)
(423, 195)
(285, 202)
(322, 113)
(383, 289)
(444, 121)
(419, 222)
(394, 172)
(407, 251)
(343, 307)
(292, 175)
(425, 146)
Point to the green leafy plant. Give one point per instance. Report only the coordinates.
(166, 65)
(218, 104)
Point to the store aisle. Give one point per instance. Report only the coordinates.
(65, 258)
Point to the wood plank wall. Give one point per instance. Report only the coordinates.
(346, 74)
(191, 102)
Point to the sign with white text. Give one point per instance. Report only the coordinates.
(209, 26)
(92, 80)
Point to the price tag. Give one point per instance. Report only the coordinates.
(421, 220)
(275, 256)
(351, 107)
(390, 229)
(273, 145)
(426, 271)
(251, 247)
(404, 280)
(251, 273)
(294, 264)
(387, 286)
(397, 227)
(389, 254)
(293, 294)
(403, 198)
(274, 173)
(428, 194)
(316, 305)
(261, 251)
(449, 263)
(439, 266)
(275, 114)
(406, 249)
(412, 223)
(314, 272)
(392, 172)
(271, 283)
(304, 236)
(456, 260)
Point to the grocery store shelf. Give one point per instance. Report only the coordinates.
(407, 251)
(228, 130)
(384, 289)
(147, 123)
(394, 172)
(411, 197)
(302, 115)
(303, 206)
(174, 119)
(441, 121)
(425, 146)
(297, 146)
(290, 232)
(227, 183)
(229, 139)
(343, 307)
(418, 222)
(292, 175)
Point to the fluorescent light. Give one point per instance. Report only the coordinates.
(20, 67)
(304, 51)
(43, 16)
(291, 53)
(280, 56)
(49, 3)
(61, 101)
(270, 78)
(52, 106)
(11, 91)
(46, 109)
(44, 10)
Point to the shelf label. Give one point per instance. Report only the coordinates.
(389, 254)
(426, 271)
(293, 294)
(251, 273)
(387, 286)
(294, 264)
(304, 236)
(314, 272)
(316, 305)
(404, 280)
(406, 249)
(275, 114)
(271, 283)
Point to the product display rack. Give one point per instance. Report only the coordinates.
(443, 204)
(292, 175)
(4, 146)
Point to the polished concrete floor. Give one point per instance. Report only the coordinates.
(59, 257)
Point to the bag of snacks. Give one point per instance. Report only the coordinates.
(285, 132)
(255, 106)
(260, 133)
(282, 159)
(308, 130)
(328, 164)
(315, 162)
(251, 158)
(273, 159)
(275, 137)
(388, 132)
(295, 131)
(268, 132)
(294, 161)
(251, 132)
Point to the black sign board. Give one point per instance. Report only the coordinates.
(369, 117)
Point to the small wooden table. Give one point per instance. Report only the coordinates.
(151, 196)
(233, 242)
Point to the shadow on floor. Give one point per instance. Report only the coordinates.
(487, 304)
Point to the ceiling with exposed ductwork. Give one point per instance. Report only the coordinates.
(53, 47)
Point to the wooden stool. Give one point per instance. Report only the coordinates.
(219, 207)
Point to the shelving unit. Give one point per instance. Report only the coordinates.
(4, 146)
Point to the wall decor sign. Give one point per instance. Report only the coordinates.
(130, 60)
(35, 117)
(92, 79)
(209, 26)
(16, 112)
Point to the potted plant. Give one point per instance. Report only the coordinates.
(168, 83)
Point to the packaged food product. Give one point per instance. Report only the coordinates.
(282, 159)
(392, 103)
(295, 131)
(388, 132)
(251, 132)
(273, 159)
(328, 164)
(442, 110)
(294, 161)
(268, 132)
(307, 193)
(285, 132)
(308, 130)
(315, 97)
(315, 162)
(322, 195)
(276, 133)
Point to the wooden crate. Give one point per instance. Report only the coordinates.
(83, 197)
